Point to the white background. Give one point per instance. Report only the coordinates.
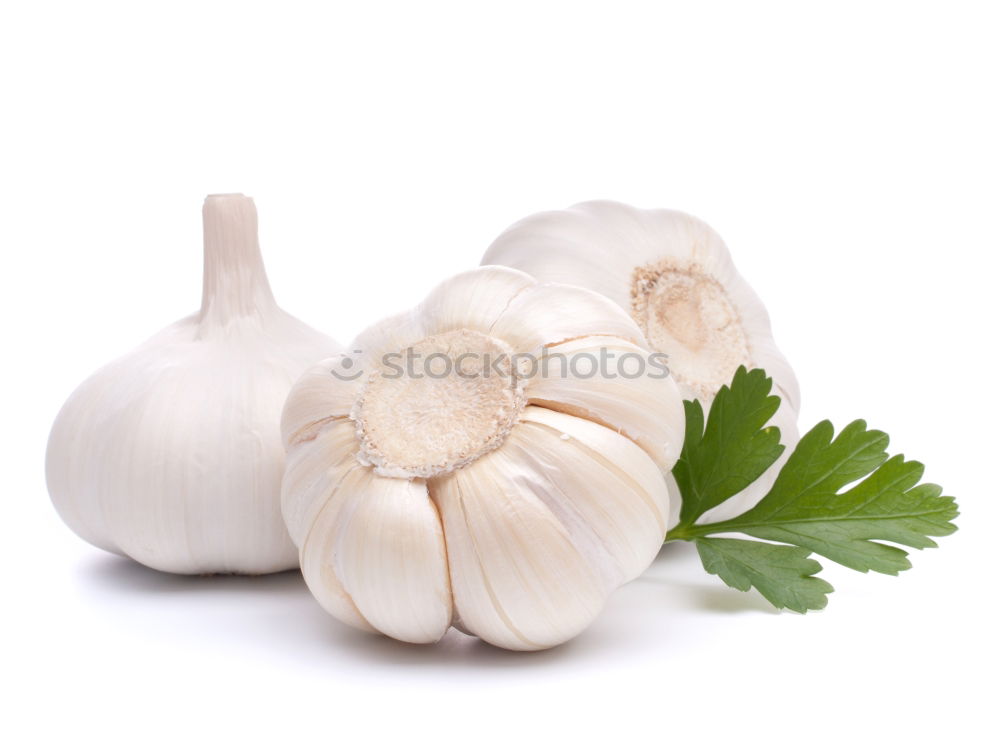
(847, 152)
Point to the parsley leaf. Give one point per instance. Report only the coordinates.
(724, 456)
(782, 573)
(806, 508)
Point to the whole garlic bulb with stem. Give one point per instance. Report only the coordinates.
(676, 278)
(456, 469)
(171, 455)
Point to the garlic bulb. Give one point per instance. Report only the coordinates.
(465, 465)
(172, 455)
(675, 276)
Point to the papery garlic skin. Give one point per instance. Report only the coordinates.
(171, 455)
(676, 278)
(511, 508)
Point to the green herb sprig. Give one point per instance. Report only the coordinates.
(806, 511)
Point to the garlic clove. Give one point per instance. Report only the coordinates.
(549, 314)
(589, 245)
(383, 539)
(472, 300)
(519, 581)
(324, 393)
(318, 560)
(384, 337)
(604, 489)
(172, 454)
(619, 450)
(313, 469)
(617, 384)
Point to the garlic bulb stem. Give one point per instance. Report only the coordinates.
(234, 282)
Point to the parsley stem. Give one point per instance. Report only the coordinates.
(680, 532)
(693, 532)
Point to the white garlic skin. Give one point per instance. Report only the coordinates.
(171, 455)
